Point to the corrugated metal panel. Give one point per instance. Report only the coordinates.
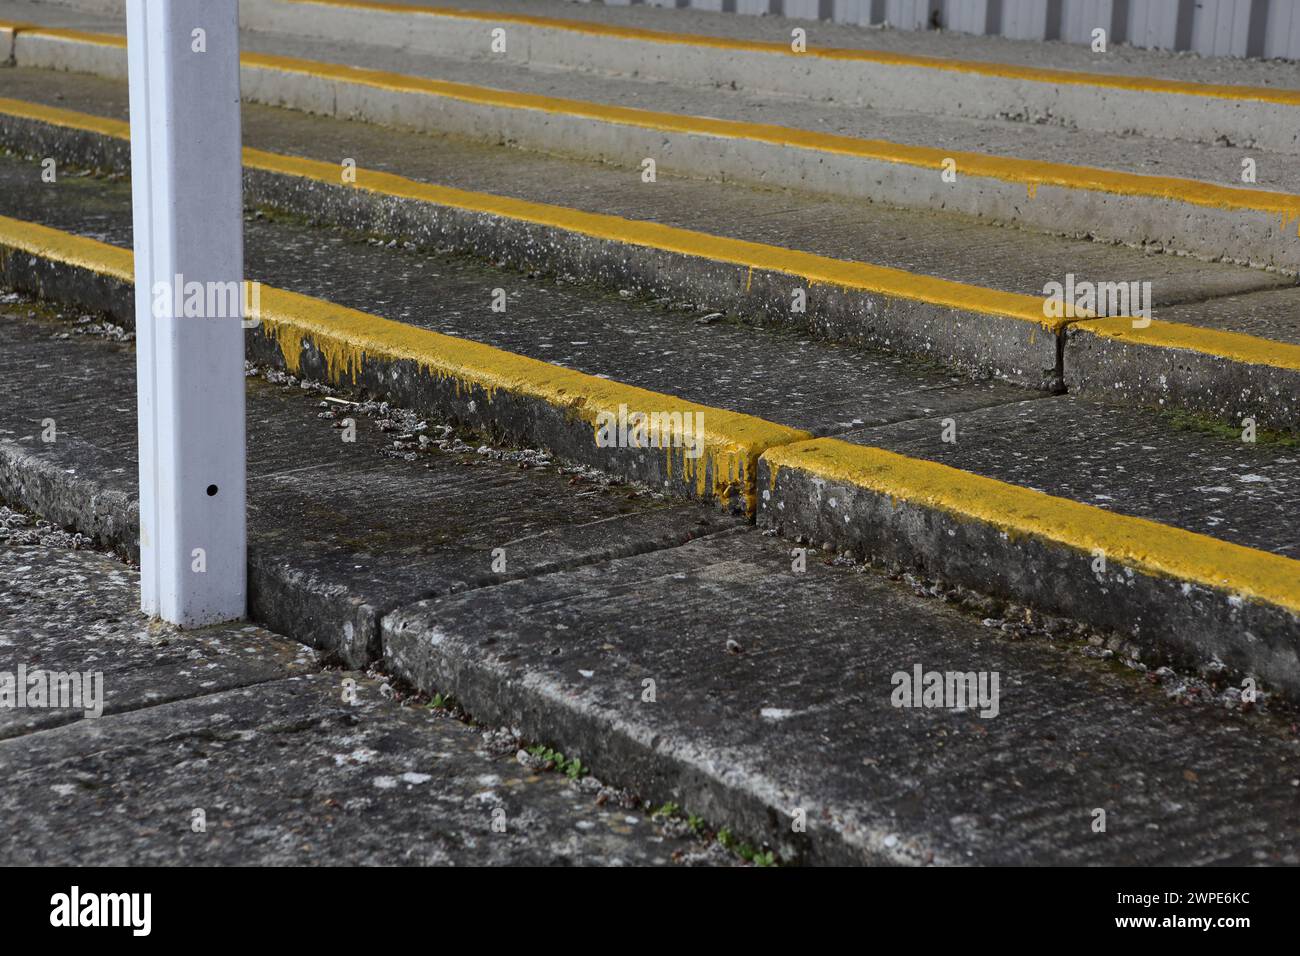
(1025, 19)
(1154, 23)
(1268, 28)
(1282, 37)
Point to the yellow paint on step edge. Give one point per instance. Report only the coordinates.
(1154, 548)
(66, 119)
(62, 247)
(1139, 84)
(814, 269)
(1028, 172)
(1218, 343)
(345, 338)
(75, 36)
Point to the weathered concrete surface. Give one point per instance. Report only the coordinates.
(238, 722)
(961, 93)
(1208, 231)
(287, 773)
(943, 244)
(1113, 457)
(339, 531)
(1127, 371)
(772, 693)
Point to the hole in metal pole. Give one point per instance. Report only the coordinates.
(212, 490)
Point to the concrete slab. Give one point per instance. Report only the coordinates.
(1159, 467)
(943, 244)
(836, 151)
(1121, 60)
(1168, 368)
(66, 611)
(286, 773)
(772, 694)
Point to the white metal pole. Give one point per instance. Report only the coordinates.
(188, 216)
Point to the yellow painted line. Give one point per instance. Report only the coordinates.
(58, 246)
(76, 36)
(1235, 346)
(66, 119)
(1140, 84)
(1154, 548)
(815, 269)
(732, 442)
(1030, 173)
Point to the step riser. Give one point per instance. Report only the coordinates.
(1113, 371)
(1203, 119)
(1188, 622)
(1238, 235)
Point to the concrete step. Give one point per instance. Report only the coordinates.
(1172, 195)
(772, 694)
(288, 763)
(757, 400)
(940, 287)
(1250, 103)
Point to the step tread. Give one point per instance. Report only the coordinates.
(802, 716)
(1132, 153)
(1121, 60)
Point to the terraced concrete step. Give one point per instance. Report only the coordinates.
(1252, 104)
(949, 522)
(773, 688)
(1145, 191)
(808, 252)
(341, 531)
(1238, 498)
